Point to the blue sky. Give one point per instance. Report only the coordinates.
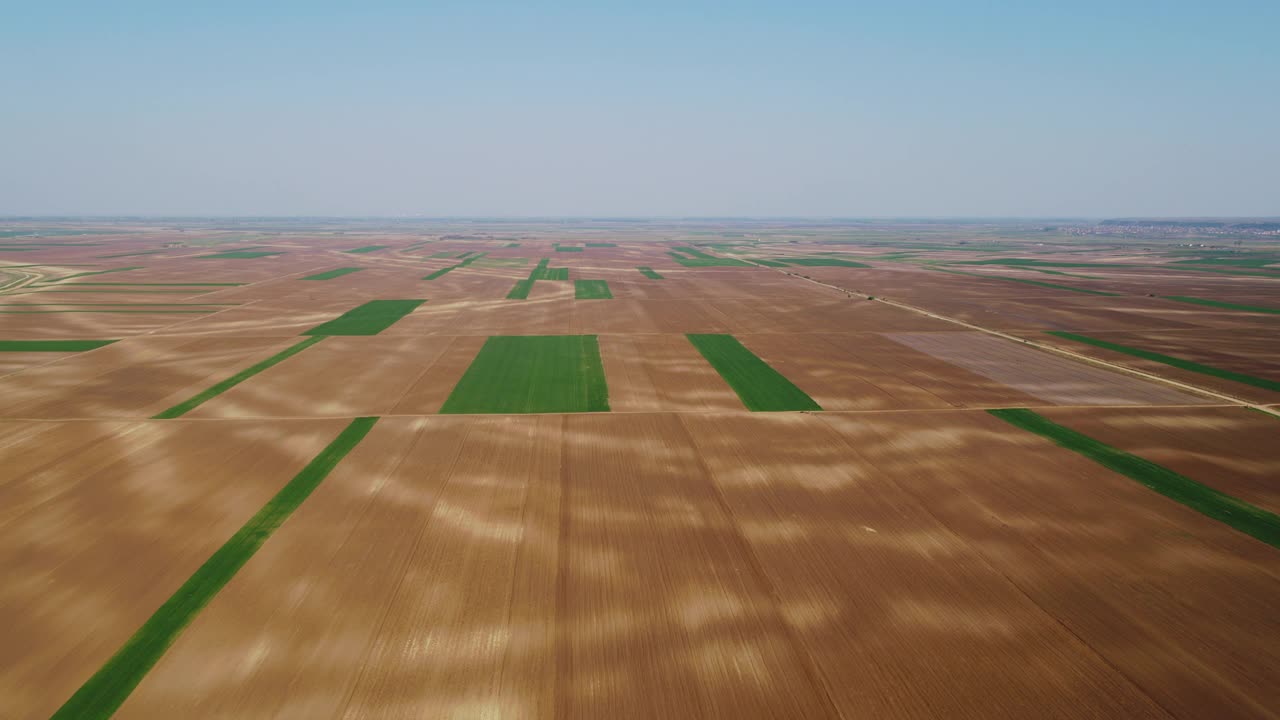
(925, 108)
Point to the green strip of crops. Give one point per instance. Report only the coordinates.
(568, 249)
(370, 318)
(602, 244)
(1171, 361)
(1242, 516)
(440, 273)
(591, 290)
(52, 345)
(366, 249)
(1224, 305)
(761, 388)
(533, 374)
(521, 290)
(649, 273)
(331, 274)
(188, 405)
(107, 689)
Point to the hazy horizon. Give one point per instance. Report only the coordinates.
(879, 111)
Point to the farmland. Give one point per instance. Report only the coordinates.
(648, 469)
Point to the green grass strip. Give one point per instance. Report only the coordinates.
(1037, 283)
(761, 388)
(239, 255)
(331, 274)
(602, 244)
(650, 273)
(370, 318)
(591, 290)
(51, 345)
(1172, 361)
(521, 290)
(440, 273)
(1248, 519)
(107, 689)
(511, 245)
(1225, 305)
(196, 401)
(533, 374)
(366, 249)
(568, 248)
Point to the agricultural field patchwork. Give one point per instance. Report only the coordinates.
(791, 468)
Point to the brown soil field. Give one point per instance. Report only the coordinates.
(661, 373)
(105, 521)
(1050, 378)
(868, 372)
(352, 377)
(132, 378)
(1136, 576)
(1230, 449)
(1251, 352)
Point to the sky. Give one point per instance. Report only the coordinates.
(904, 108)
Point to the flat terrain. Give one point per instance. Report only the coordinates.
(626, 469)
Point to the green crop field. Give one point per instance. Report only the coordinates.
(601, 244)
(760, 387)
(1171, 361)
(1224, 508)
(521, 290)
(51, 345)
(649, 273)
(370, 318)
(533, 374)
(331, 274)
(591, 290)
(367, 249)
(569, 248)
(440, 273)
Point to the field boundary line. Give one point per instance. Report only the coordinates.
(108, 688)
